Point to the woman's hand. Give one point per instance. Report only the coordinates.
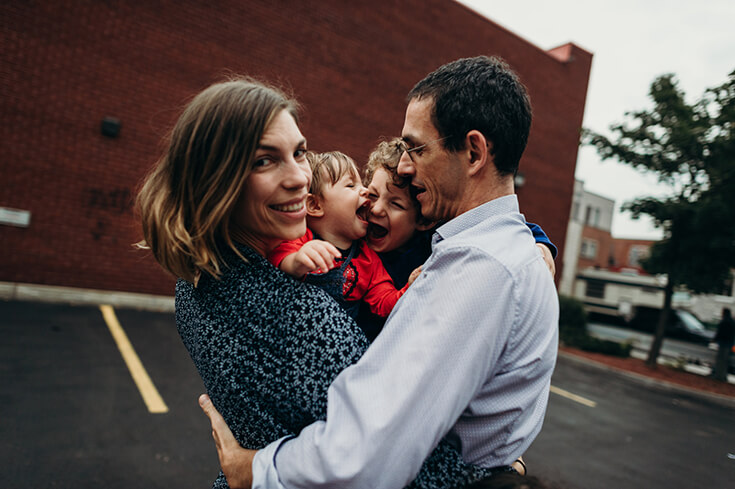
(548, 257)
(315, 256)
(236, 461)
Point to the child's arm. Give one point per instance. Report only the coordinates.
(298, 257)
(540, 236)
(546, 247)
(381, 294)
(314, 256)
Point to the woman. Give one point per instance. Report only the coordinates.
(231, 186)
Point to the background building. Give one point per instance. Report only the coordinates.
(89, 90)
(606, 273)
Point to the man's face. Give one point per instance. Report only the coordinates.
(436, 173)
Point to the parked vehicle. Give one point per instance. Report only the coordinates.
(681, 324)
(616, 294)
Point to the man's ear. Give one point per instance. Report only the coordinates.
(313, 206)
(424, 225)
(480, 150)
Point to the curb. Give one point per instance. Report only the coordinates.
(68, 295)
(649, 380)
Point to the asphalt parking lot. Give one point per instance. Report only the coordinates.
(73, 415)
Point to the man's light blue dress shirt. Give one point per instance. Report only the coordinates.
(468, 352)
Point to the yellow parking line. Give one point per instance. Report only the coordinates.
(573, 397)
(148, 391)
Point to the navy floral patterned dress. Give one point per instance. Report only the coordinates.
(267, 348)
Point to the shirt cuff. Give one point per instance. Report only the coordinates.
(265, 475)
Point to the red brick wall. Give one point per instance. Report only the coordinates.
(67, 65)
(622, 252)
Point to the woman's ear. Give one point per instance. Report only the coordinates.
(480, 150)
(313, 206)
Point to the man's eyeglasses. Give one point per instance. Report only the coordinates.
(412, 152)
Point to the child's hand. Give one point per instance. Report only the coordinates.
(414, 275)
(548, 257)
(315, 256)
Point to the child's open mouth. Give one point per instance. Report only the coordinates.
(362, 213)
(376, 231)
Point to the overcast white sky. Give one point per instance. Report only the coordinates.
(633, 42)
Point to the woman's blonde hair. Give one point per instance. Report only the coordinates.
(187, 201)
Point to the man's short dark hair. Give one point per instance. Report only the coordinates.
(480, 93)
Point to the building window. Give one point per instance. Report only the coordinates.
(636, 254)
(595, 288)
(587, 215)
(596, 222)
(589, 249)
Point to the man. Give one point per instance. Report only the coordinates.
(469, 350)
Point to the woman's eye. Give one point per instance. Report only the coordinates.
(261, 162)
(299, 153)
(372, 196)
(398, 205)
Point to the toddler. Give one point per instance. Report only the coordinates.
(333, 254)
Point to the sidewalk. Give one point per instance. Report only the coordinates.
(664, 373)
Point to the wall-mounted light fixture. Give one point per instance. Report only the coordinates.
(519, 180)
(110, 127)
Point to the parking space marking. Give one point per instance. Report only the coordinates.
(148, 391)
(573, 397)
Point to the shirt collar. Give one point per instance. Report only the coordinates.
(500, 206)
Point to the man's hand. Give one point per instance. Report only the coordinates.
(236, 461)
(548, 257)
(315, 256)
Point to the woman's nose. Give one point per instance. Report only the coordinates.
(297, 175)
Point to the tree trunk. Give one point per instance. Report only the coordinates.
(663, 318)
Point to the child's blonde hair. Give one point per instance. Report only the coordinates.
(328, 168)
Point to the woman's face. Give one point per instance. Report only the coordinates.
(271, 207)
(392, 217)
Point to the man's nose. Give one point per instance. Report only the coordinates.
(405, 166)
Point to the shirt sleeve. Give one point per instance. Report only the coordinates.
(286, 248)
(381, 294)
(540, 236)
(412, 384)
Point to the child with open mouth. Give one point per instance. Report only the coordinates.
(396, 229)
(333, 254)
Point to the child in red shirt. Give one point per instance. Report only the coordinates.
(332, 253)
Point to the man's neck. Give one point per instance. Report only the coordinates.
(485, 190)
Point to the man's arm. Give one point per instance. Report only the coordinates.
(392, 408)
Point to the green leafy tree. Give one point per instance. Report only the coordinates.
(691, 148)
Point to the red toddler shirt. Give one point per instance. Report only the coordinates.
(365, 277)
